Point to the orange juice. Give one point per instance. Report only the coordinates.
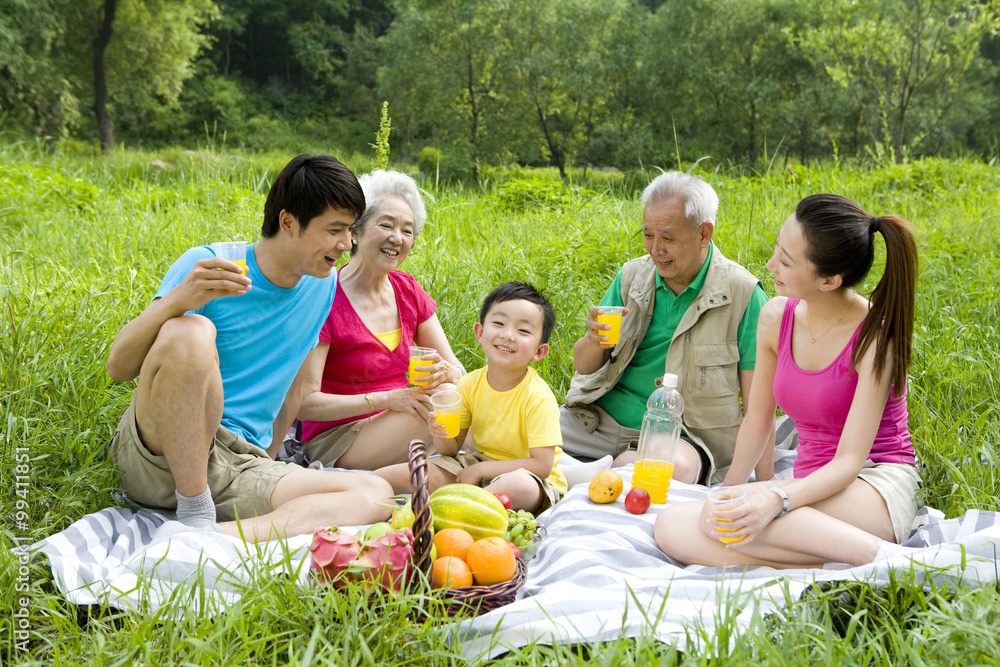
(242, 265)
(726, 499)
(415, 374)
(614, 320)
(654, 478)
(450, 422)
(727, 530)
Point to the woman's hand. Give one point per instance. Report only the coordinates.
(411, 400)
(746, 517)
(440, 372)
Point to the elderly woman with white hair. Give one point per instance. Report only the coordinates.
(356, 410)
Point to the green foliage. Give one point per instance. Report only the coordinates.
(569, 84)
(908, 65)
(382, 139)
(153, 46)
(521, 195)
(85, 239)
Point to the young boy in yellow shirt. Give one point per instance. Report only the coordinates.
(509, 410)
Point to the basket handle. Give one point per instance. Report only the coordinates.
(421, 506)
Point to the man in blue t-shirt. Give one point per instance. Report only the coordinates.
(217, 355)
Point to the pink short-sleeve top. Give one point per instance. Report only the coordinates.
(358, 362)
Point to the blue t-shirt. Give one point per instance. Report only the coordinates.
(262, 338)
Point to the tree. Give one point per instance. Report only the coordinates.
(910, 65)
(95, 47)
(730, 78)
(444, 70)
(32, 87)
(105, 126)
(558, 51)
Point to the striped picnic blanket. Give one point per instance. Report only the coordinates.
(597, 576)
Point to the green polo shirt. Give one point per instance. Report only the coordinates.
(626, 401)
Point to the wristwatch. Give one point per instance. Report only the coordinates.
(784, 499)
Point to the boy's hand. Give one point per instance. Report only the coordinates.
(437, 429)
(471, 475)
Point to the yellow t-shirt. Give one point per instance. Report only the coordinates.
(507, 424)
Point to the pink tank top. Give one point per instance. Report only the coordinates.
(818, 403)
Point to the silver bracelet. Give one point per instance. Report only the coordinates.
(784, 499)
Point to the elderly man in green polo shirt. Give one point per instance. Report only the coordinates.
(689, 311)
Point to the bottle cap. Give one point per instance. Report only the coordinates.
(669, 380)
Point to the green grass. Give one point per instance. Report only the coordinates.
(84, 241)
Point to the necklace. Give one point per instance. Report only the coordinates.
(816, 338)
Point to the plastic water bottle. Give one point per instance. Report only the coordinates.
(661, 429)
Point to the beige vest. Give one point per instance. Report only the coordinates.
(703, 353)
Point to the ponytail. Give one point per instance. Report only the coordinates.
(840, 236)
(889, 323)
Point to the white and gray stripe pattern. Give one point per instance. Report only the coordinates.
(597, 576)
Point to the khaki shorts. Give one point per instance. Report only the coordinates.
(328, 446)
(897, 483)
(610, 437)
(456, 464)
(240, 474)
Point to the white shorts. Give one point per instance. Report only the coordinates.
(897, 483)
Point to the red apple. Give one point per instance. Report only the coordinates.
(504, 500)
(637, 501)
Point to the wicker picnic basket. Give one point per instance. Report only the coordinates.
(468, 600)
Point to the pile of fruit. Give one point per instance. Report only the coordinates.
(607, 485)
(521, 527)
(463, 560)
(474, 541)
(470, 536)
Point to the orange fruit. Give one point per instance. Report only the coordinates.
(450, 572)
(606, 487)
(452, 542)
(491, 560)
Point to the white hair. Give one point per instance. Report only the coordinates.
(700, 201)
(380, 184)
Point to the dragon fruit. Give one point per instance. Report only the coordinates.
(388, 560)
(334, 555)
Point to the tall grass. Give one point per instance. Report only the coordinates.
(85, 240)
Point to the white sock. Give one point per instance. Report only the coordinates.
(890, 550)
(198, 511)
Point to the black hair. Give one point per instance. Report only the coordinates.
(840, 240)
(307, 187)
(518, 290)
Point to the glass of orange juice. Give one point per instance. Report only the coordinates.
(418, 357)
(234, 251)
(612, 316)
(446, 406)
(724, 499)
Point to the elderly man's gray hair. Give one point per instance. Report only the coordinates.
(380, 184)
(700, 201)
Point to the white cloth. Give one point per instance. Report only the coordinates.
(598, 575)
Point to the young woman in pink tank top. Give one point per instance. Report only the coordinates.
(836, 363)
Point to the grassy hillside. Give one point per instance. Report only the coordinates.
(84, 242)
